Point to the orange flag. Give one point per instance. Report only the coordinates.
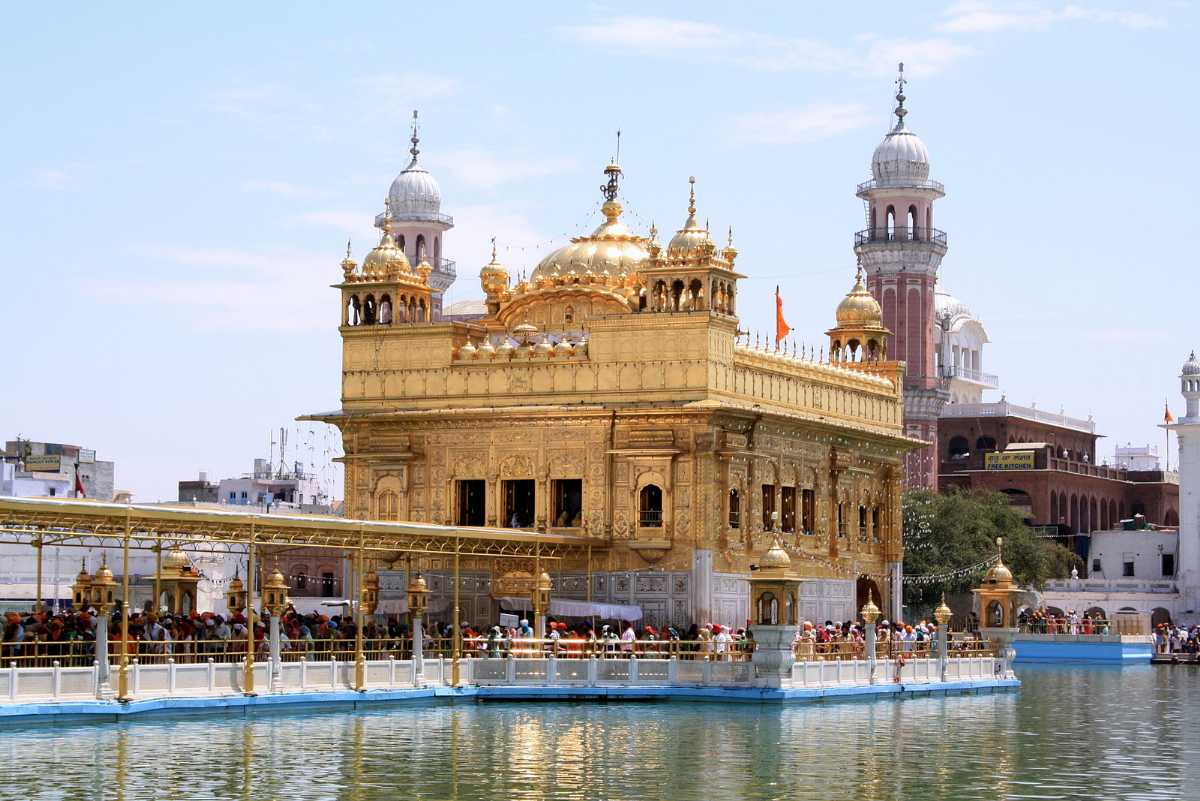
(1168, 418)
(781, 327)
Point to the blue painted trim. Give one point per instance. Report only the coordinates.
(60, 712)
(1074, 651)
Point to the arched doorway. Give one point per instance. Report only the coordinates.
(1159, 615)
(866, 588)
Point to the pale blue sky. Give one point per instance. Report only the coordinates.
(178, 185)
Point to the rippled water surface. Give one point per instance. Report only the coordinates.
(1068, 733)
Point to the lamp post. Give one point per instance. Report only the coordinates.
(541, 604)
(418, 593)
(869, 614)
(275, 599)
(101, 596)
(942, 615)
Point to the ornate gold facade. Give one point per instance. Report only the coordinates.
(610, 395)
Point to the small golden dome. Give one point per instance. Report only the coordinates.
(348, 265)
(236, 585)
(691, 240)
(998, 574)
(419, 584)
(175, 560)
(104, 575)
(84, 577)
(563, 347)
(544, 346)
(486, 348)
(276, 581)
(494, 275)
(943, 613)
(524, 331)
(775, 556)
(858, 308)
(385, 258)
(467, 351)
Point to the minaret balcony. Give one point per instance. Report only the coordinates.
(902, 236)
(986, 380)
(866, 187)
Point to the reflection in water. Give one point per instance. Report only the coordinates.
(1068, 733)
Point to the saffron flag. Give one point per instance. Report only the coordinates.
(79, 492)
(781, 327)
(1168, 418)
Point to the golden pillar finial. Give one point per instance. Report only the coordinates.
(729, 241)
(493, 250)
(416, 139)
(347, 248)
(692, 194)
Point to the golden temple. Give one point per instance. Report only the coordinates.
(612, 396)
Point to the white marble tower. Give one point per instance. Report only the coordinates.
(1187, 428)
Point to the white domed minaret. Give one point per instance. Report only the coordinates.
(417, 222)
(1187, 428)
(901, 252)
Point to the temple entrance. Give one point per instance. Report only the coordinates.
(866, 588)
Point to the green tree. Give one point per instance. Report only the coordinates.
(947, 532)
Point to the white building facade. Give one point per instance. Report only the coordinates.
(1156, 572)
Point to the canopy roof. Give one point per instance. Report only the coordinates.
(68, 522)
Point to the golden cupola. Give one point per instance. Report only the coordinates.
(494, 280)
(691, 241)
(859, 335)
(386, 260)
(612, 250)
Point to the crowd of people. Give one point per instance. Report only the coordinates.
(69, 637)
(1173, 639)
(1043, 621)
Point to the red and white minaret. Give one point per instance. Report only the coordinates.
(901, 251)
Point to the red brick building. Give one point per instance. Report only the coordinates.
(1046, 464)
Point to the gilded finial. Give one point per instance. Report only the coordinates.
(493, 250)
(416, 139)
(612, 187)
(653, 231)
(729, 242)
(692, 194)
(347, 248)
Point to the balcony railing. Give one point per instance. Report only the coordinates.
(898, 183)
(881, 236)
(650, 518)
(1006, 409)
(974, 376)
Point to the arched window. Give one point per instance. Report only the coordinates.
(650, 506)
(768, 609)
(421, 311)
(929, 222)
(569, 315)
(353, 311)
(369, 310)
(912, 223)
(695, 295)
(735, 508)
(959, 448)
(872, 234)
(437, 253)
(891, 223)
(400, 242)
(676, 294)
(1053, 507)
(301, 579)
(420, 247)
(385, 310)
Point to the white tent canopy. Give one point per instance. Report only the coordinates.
(569, 607)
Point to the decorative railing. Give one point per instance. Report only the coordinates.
(881, 236)
(900, 183)
(974, 376)
(1006, 409)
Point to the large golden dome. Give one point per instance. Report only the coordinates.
(612, 249)
(858, 309)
